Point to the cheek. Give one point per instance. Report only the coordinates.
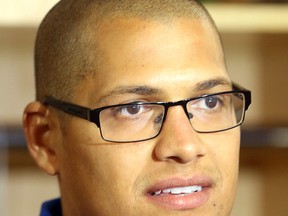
(225, 155)
(228, 162)
(224, 149)
(103, 175)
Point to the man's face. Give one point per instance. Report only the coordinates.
(102, 178)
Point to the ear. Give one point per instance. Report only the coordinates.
(38, 129)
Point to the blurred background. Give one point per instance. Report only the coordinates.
(255, 38)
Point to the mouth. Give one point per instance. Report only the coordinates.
(182, 191)
(181, 194)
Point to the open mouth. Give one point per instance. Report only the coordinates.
(182, 191)
(181, 194)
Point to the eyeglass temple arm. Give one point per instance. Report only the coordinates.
(69, 108)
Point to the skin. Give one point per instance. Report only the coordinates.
(100, 178)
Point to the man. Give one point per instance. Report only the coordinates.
(135, 112)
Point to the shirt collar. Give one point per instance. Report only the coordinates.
(51, 208)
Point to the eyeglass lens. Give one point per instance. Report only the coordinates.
(131, 122)
(217, 112)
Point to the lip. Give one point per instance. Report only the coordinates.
(181, 202)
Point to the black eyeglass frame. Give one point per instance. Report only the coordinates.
(92, 115)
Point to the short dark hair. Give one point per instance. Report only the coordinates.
(63, 56)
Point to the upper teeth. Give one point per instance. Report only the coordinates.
(180, 190)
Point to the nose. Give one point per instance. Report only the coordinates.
(178, 141)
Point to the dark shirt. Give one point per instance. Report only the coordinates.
(51, 208)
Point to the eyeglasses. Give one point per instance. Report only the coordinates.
(140, 121)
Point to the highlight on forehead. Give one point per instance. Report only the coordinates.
(150, 9)
(65, 52)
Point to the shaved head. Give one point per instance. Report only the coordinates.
(66, 50)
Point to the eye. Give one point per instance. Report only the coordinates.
(208, 103)
(130, 111)
(211, 102)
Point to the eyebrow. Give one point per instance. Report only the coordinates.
(147, 90)
(138, 90)
(141, 90)
(209, 84)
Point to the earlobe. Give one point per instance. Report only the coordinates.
(38, 132)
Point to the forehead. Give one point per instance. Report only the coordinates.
(132, 36)
(151, 52)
